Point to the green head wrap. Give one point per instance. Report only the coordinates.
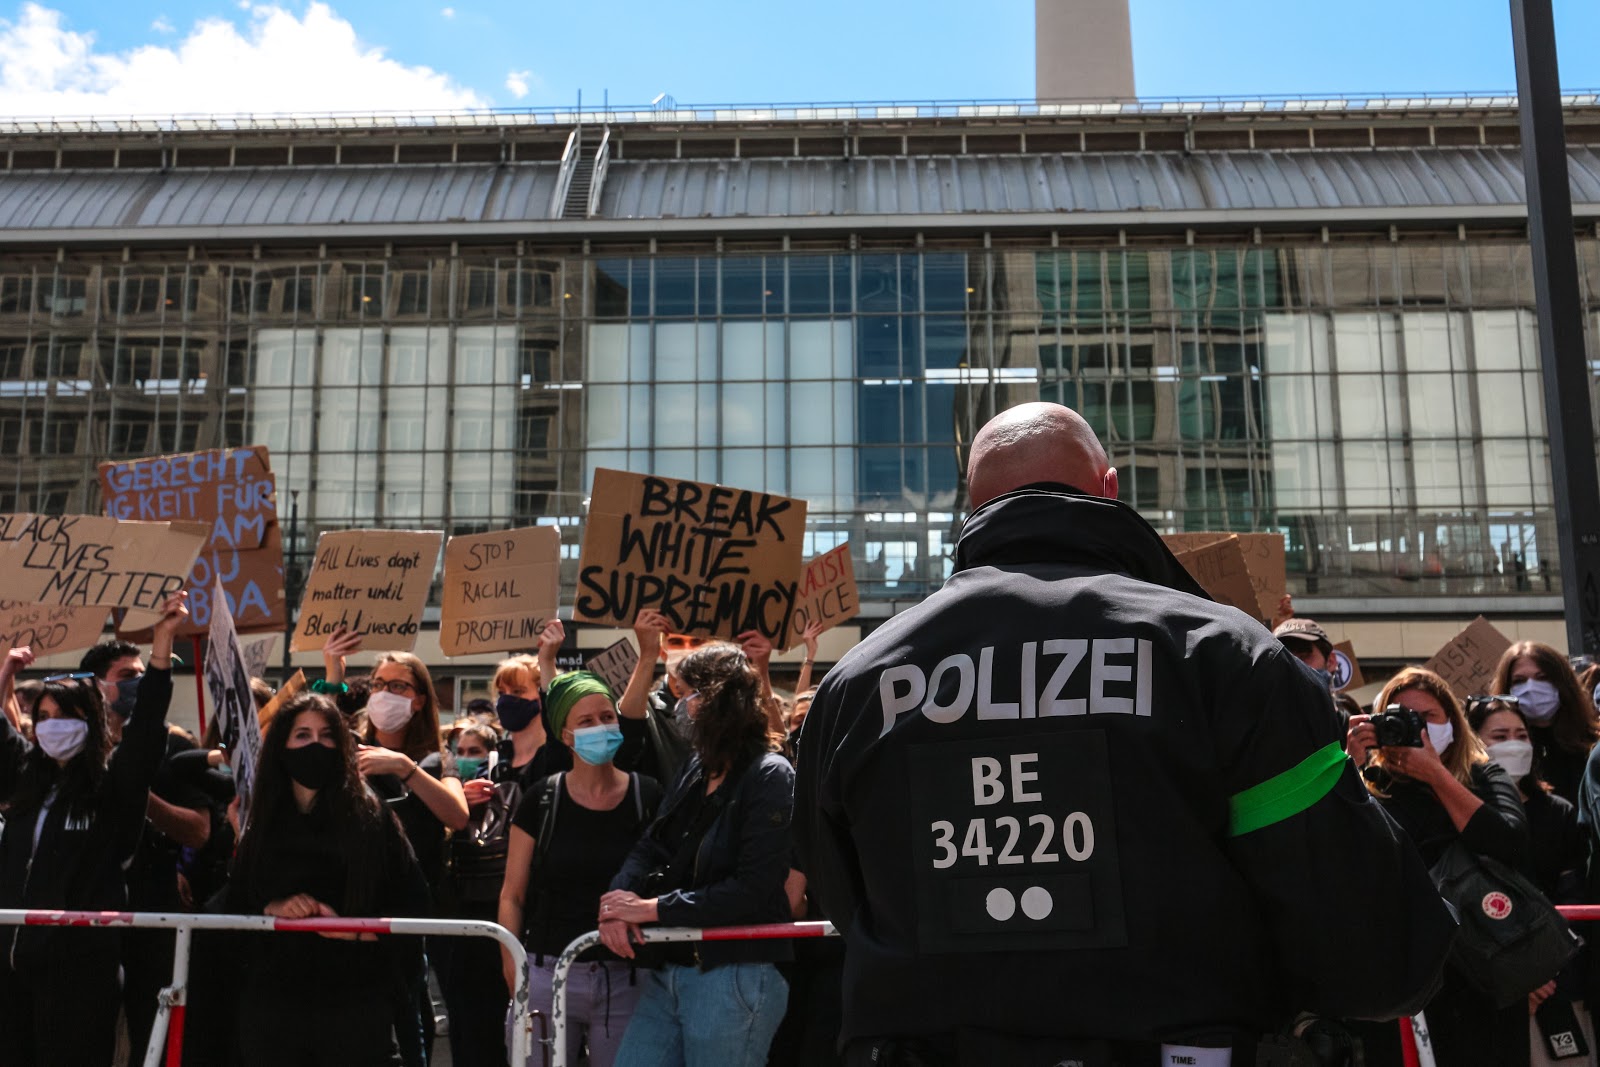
(565, 692)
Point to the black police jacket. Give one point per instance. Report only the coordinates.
(1069, 795)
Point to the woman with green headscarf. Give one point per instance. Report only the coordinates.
(570, 834)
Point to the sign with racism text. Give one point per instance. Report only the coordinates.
(715, 561)
(1264, 559)
(1220, 569)
(615, 664)
(228, 682)
(827, 594)
(84, 561)
(499, 590)
(373, 582)
(233, 493)
(1467, 661)
(48, 630)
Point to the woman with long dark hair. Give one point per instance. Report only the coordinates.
(75, 812)
(717, 854)
(1561, 717)
(319, 844)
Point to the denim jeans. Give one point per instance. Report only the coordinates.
(724, 1017)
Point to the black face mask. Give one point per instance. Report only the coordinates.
(314, 766)
(515, 712)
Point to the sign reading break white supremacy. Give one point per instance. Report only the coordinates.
(499, 590)
(715, 561)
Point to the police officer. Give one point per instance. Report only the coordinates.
(1069, 809)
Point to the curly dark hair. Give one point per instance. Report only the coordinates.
(1576, 727)
(353, 814)
(80, 780)
(730, 729)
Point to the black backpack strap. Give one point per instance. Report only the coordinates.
(549, 801)
(638, 798)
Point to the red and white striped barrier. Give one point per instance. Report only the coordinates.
(170, 1011)
(657, 935)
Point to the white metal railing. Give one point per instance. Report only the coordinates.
(597, 181)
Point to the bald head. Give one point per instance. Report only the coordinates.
(1033, 443)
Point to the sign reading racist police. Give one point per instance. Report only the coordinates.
(82, 561)
(715, 561)
(372, 582)
(48, 630)
(827, 594)
(1467, 661)
(231, 491)
(615, 664)
(228, 682)
(499, 590)
(1221, 570)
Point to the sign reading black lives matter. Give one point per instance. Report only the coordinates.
(374, 582)
(614, 664)
(228, 681)
(715, 561)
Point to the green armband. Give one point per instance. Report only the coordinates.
(322, 685)
(1289, 793)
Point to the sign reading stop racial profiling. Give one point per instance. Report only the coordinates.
(231, 491)
(715, 561)
(499, 590)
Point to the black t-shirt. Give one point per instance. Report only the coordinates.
(423, 828)
(575, 867)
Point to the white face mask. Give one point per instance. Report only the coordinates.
(389, 712)
(1441, 734)
(61, 738)
(1514, 757)
(1539, 699)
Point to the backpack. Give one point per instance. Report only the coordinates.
(477, 854)
(549, 802)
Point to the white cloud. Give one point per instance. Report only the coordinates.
(448, 12)
(163, 25)
(517, 82)
(277, 62)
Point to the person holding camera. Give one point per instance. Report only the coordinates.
(717, 855)
(1429, 771)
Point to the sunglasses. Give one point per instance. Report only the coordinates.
(76, 676)
(1474, 703)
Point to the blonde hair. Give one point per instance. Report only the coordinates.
(517, 672)
(1465, 751)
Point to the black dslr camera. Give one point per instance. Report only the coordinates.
(1398, 727)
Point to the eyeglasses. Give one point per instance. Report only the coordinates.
(76, 676)
(1474, 703)
(398, 688)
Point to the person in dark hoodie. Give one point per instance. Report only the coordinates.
(76, 812)
(1068, 808)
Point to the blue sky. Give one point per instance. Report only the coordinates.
(80, 56)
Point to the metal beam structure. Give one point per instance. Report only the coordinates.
(1562, 359)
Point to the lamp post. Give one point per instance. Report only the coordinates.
(291, 581)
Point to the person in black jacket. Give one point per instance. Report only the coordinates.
(717, 854)
(319, 844)
(1069, 808)
(76, 812)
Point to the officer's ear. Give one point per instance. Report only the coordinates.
(1108, 484)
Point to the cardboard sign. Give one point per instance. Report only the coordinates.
(286, 692)
(48, 630)
(258, 653)
(1220, 569)
(1345, 668)
(499, 590)
(230, 491)
(715, 561)
(373, 582)
(1468, 660)
(228, 682)
(615, 664)
(1264, 558)
(81, 561)
(827, 594)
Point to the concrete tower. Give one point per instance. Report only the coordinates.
(1083, 50)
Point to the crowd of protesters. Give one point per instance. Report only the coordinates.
(564, 807)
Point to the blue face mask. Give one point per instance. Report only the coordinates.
(595, 745)
(514, 712)
(127, 697)
(471, 767)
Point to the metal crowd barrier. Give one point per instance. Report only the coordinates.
(658, 935)
(168, 1028)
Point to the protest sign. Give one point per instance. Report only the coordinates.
(48, 630)
(1345, 668)
(258, 653)
(1467, 661)
(1220, 569)
(286, 692)
(715, 561)
(1264, 558)
(232, 492)
(373, 582)
(499, 590)
(827, 593)
(615, 664)
(228, 682)
(81, 561)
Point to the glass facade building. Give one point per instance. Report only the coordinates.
(1378, 402)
